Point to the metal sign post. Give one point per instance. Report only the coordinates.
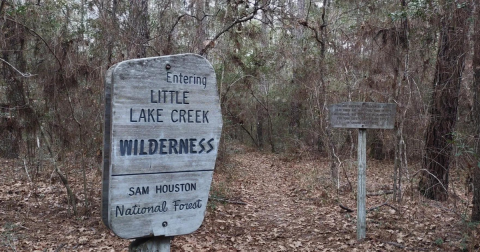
(362, 115)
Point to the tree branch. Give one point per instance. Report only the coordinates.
(25, 75)
(41, 38)
(384, 204)
(345, 208)
(243, 127)
(317, 37)
(237, 21)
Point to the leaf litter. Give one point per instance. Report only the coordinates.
(279, 204)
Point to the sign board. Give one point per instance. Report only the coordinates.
(162, 130)
(363, 115)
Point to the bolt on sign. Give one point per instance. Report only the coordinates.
(162, 130)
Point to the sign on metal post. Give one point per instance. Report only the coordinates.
(362, 115)
(162, 130)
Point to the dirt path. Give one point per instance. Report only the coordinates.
(280, 215)
(291, 206)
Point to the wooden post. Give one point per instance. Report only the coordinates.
(152, 244)
(361, 193)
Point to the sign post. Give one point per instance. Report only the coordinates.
(162, 130)
(361, 184)
(362, 115)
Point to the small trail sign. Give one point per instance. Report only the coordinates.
(162, 130)
(362, 115)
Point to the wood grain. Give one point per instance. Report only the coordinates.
(162, 129)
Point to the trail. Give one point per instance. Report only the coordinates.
(292, 206)
(280, 214)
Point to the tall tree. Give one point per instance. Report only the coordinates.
(138, 28)
(476, 111)
(443, 108)
(400, 85)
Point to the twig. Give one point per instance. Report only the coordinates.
(380, 193)
(384, 204)
(227, 201)
(345, 208)
(26, 75)
(431, 174)
(252, 15)
(398, 245)
(26, 170)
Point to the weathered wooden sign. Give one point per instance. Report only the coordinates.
(363, 115)
(162, 129)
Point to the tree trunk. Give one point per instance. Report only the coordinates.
(200, 37)
(376, 146)
(444, 103)
(260, 116)
(402, 107)
(476, 112)
(334, 159)
(13, 65)
(139, 32)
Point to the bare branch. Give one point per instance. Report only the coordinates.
(384, 204)
(252, 15)
(25, 75)
(317, 37)
(40, 37)
(345, 208)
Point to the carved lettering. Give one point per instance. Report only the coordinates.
(121, 210)
(177, 206)
(165, 146)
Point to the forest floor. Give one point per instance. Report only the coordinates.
(259, 202)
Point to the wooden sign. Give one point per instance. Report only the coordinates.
(162, 130)
(363, 115)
